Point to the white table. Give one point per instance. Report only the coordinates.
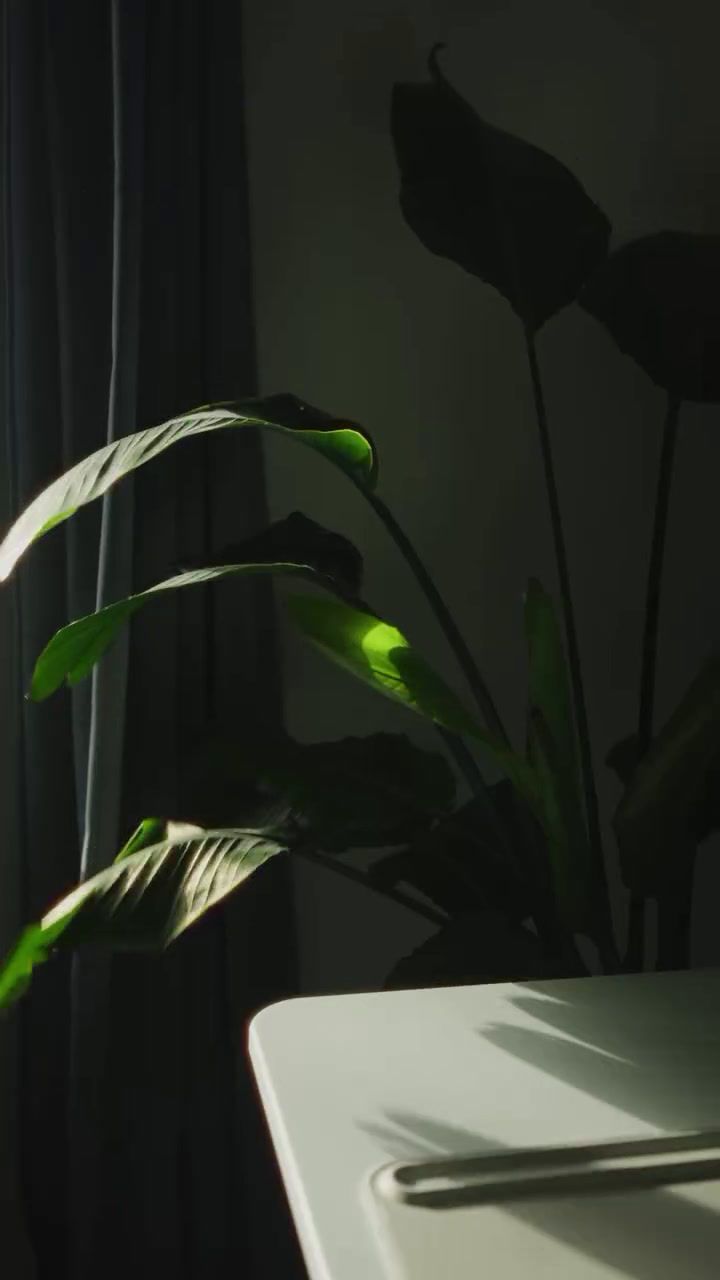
(351, 1082)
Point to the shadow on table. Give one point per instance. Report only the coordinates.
(611, 1042)
(610, 1039)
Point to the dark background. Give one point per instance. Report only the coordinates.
(355, 315)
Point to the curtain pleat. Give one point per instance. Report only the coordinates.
(127, 267)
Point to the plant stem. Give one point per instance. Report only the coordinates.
(636, 926)
(635, 947)
(560, 946)
(466, 763)
(464, 759)
(395, 895)
(674, 919)
(480, 691)
(654, 581)
(463, 756)
(468, 766)
(576, 679)
(669, 918)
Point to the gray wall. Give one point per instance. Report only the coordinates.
(357, 317)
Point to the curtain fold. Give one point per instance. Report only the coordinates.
(127, 287)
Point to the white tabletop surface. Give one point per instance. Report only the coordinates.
(351, 1082)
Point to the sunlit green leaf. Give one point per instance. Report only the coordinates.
(149, 831)
(145, 900)
(379, 654)
(342, 443)
(373, 650)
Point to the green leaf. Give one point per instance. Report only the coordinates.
(543, 754)
(149, 831)
(295, 546)
(379, 654)
(554, 752)
(146, 900)
(346, 794)
(501, 208)
(476, 947)
(33, 947)
(703, 815)
(659, 298)
(370, 648)
(358, 792)
(663, 811)
(344, 444)
(74, 650)
(548, 680)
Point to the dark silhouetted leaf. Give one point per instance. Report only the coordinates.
(659, 297)
(669, 803)
(458, 861)
(351, 793)
(343, 443)
(478, 947)
(300, 540)
(145, 900)
(704, 817)
(359, 792)
(501, 208)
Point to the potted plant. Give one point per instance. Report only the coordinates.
(515, 874)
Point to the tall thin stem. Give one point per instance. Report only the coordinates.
(675, 919)
(648, 672)
(654, 581)
(462, 755)
(467, 763)
(457, 643)
(635, 945)
(576, 679)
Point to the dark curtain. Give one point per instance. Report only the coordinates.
(135, 1138)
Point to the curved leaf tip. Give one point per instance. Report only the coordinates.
(293, 546)
(340, 442)
(144, 900)
(500, 207)
(73, 651)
